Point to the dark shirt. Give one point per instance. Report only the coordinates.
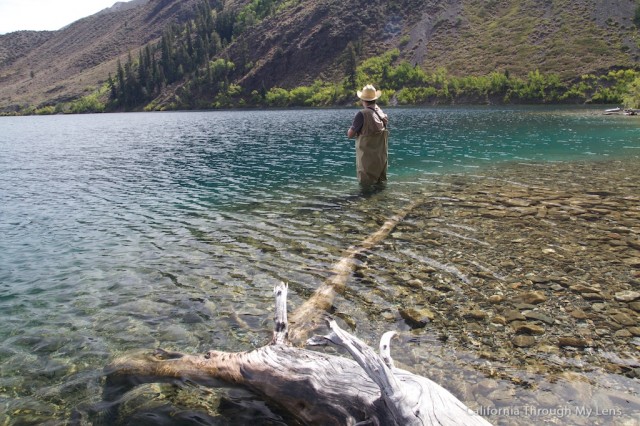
(358, 122)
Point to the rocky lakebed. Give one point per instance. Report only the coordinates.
(516, 287)
(533, 272)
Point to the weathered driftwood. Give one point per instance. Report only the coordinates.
(314, 387)
(310, 314)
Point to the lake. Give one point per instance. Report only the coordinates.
(121, 232)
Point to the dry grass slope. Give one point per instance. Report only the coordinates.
(307, 40)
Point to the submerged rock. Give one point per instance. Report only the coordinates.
(532, 298)
(624, 319)
(577, 342)
(523, 341)
(527, 328)
(417, 318)
(476, 314)
(627, 296)
(513, 315)
(578, 314)
(539, 316)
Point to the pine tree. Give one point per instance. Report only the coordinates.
(190, 49)
(224, 25)
(113, 92)
(167, 61)
(351, 65)
(121, 89)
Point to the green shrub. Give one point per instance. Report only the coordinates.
(301, 96)
(376, 70)
(415, 95)
(325, 94)
(87, 104)
(277, 97)
(46, 110)
(631, 99)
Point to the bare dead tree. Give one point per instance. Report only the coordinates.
(312, 386)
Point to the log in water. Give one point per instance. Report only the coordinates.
(313, 387)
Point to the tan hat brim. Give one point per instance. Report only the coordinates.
(378, 94)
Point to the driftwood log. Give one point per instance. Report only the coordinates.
(310, 315)
(313, 387)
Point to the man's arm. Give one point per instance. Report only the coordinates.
(356, 126)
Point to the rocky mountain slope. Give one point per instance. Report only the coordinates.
(42, 67)
(299, 42)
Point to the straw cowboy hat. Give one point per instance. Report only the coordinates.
(369, 93)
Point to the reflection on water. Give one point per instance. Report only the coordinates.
(127, 232)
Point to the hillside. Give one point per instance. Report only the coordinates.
(50, 67)
(467, 37)
(298, 42)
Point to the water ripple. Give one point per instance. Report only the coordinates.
(129, 231)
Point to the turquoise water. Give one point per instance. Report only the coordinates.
(133, 231)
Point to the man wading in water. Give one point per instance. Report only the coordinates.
(370, 130)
